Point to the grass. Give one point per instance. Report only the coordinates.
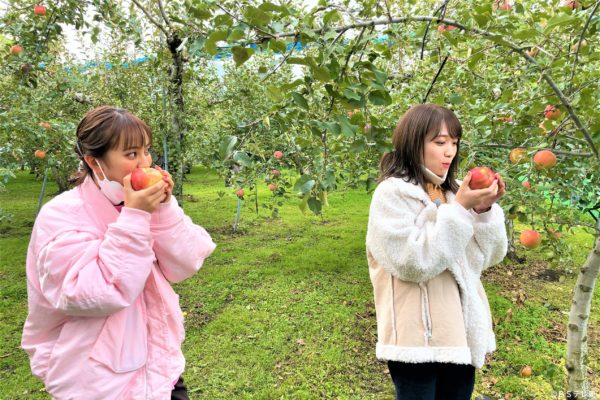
(284, 308)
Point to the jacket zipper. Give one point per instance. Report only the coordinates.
(425, 313)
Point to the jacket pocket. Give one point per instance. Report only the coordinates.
(122, 343)
(426, 312)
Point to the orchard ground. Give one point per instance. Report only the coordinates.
(284, 307)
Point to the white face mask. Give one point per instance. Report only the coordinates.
(113, 190)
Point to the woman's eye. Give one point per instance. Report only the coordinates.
(131, 155)
(440, 143)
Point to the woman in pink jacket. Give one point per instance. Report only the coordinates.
(104, 322)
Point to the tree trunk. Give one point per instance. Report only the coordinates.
(578, 385)
(177, 135)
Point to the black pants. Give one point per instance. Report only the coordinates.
(432, 381)
(179, 391)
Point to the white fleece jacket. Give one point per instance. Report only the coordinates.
(414, 240)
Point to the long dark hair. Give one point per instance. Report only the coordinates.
(105, 128)
(419, 124)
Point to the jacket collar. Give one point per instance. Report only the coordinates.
(96, 203)
(416, 191)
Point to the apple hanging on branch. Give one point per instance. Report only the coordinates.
(530, 238)
(278, 154)
(39, 10)
(551, 112)
(142, 178)
(41, 154)
(16, 50)
(517, 155)
(544, 159)
(240, 193)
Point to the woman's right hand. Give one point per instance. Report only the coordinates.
(146, 199)
(475, 198)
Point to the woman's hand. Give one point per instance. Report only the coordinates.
(480, 200)
(169, 181)
(146, 199)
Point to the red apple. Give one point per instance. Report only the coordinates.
(532, 52)
(445, 28)
(572, 4)
(517, 155)
(530, 238)
(544, 159)
(41, 154)
(15, 50)
(554, 234)
(526, 185)
(240, 193)
(272, 187)
(45, 125)
(505, 119)
(39, 10)
(142, 178)
(551, 112)
(275, 172)
(278, 154)
(481, 178)
(503, 5)
(526, 371)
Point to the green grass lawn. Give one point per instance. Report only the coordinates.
(284, 308)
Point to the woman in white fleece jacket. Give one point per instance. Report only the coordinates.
(428, 240)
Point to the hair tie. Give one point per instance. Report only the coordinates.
(79, 148)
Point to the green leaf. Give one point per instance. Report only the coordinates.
(256, 16)
(278, 46)
(455, 98)
(559, 20)
(301, 61)
(304, 184)
(267, 6)
(226, 146)
(348, 129)
(236, 34)
(300, 100)
(474, 59)
(380, 98)
(351, 94)
(331, 16)
(315, 205)
(241, 54)
(211, 43)
(242, 159)
(321, 73)
(371, 184)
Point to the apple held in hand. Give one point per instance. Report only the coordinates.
(481, 178)
(142, 178)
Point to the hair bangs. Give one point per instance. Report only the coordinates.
(132, 132)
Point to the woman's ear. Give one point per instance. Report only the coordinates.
(91, 162)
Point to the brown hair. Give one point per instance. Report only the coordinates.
(419, 124)
(105, 128)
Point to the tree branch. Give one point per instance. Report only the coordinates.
(580, 40)
(154, 22)
(267, 34)
(435, 78)
(557, 152)
(282, 61)
(164, 15)
(485, 34)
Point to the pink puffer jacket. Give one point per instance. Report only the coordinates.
(104, 322)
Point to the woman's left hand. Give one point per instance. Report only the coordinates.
(169, 181)
(499, 194)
